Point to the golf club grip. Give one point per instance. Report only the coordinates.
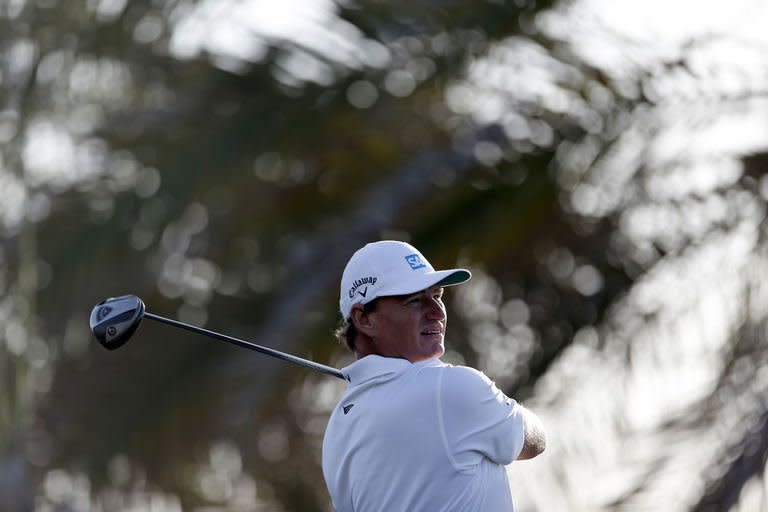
(246, 344)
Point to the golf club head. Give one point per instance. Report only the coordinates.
(116, 319)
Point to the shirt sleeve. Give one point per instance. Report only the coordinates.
(477, 419)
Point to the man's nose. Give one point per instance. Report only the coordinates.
(436, 309)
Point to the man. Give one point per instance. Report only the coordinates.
(412, 434)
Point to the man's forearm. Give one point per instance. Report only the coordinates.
(535, 437)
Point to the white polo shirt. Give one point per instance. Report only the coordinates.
(421, 437)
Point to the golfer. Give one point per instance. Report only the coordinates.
(411, 433)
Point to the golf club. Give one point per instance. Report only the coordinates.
(114, 321)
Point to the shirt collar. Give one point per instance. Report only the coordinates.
(380, 368)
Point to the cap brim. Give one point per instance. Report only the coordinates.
(456, 276)
(450, 277)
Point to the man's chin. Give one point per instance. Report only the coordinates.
(432, 352)
(437, 351)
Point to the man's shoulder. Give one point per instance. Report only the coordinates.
(469, 394)
(459, 379)
(464, 374)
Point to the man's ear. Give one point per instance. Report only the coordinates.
(362, 320)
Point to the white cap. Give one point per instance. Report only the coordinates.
(389, 267)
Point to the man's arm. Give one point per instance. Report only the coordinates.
(535, 438)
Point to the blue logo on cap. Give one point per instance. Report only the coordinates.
(414, 261)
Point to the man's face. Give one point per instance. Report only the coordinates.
(412, 326)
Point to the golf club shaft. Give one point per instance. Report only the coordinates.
(246, 344)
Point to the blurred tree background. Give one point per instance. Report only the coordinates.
(599, 165)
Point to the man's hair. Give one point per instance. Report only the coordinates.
(346, 332)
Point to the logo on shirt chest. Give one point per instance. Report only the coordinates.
(346, 408)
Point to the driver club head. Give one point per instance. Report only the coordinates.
(115, 320)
